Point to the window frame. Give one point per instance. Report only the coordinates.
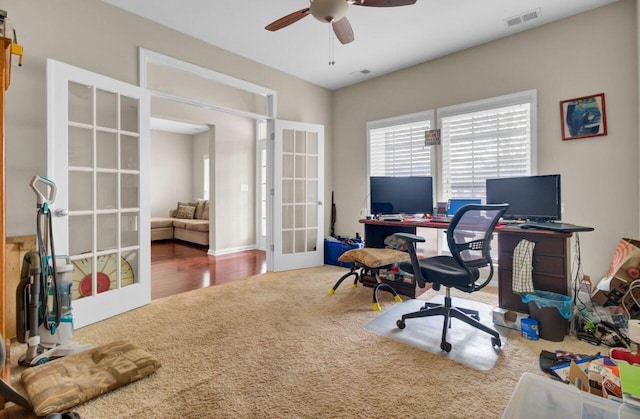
(398, 120)
(527, 96)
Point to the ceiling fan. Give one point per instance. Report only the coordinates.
(333, 11)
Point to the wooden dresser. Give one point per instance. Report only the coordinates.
(551, 264)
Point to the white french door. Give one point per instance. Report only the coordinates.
(298, 192)
(98, 156)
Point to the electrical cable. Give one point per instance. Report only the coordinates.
(634, 285)
(579, 275)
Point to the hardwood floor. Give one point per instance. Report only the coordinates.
(178, 267)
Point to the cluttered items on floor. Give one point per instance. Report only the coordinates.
(66, 382)
(609, 313)
(614, 376)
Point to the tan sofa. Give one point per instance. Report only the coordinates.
(180, 226)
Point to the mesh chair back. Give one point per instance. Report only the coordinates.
(469, 234)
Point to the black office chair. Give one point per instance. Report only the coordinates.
(469, 238)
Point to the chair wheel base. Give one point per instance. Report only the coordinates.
(496, 342)
(400, 324)
(445, 346)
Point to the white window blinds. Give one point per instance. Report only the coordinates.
(493, 142)
(398, 149)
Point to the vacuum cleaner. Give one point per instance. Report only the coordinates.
(44, 318)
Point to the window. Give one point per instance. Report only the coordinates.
(205, 193)
(396, 146)
(486, 139)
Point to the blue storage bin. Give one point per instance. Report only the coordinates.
(333, 249)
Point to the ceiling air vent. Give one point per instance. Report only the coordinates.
(522, 18)
(360, 72)
(514, 21)
(534, 14)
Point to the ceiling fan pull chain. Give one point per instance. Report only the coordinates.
(331, 47)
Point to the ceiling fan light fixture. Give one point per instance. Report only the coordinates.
(328, 10)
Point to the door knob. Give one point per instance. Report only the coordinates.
(61, 212)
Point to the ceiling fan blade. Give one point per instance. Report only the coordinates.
(287, 20)
(383, 3)
(343, 30)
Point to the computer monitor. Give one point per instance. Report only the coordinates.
(529, 197)
(401, 195)
(456, 203)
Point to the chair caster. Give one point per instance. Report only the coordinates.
(445, 346)
(400, 324)
(496, 342)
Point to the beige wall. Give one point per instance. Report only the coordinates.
(200, 149)
(589, 53)
(172, 178)
(234, 150)
(98, 37)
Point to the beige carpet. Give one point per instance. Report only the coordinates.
(277, 345)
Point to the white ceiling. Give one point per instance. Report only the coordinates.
(386, 39)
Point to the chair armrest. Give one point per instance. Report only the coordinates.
(410, 238)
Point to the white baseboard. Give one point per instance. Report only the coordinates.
(231, 250)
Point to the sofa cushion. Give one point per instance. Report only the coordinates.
(191, 204)
(185, 212)
(195, 225)
(161, 222)
(200, 226)
(205, 211)
(200, 205)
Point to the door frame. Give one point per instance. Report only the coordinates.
(148, 57)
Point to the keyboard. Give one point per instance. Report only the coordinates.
(390, 217)
(441, 219)
(561, 227)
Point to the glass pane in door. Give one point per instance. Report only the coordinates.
(107, 150)
(80, 103)
(129, 114)
(107, 113)
(80, 147)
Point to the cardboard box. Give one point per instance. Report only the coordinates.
(591, 376)
(617, 288)
(623, 270)
(507, 318)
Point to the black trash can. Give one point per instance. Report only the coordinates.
(552, 311)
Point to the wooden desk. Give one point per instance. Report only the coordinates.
(551, 256)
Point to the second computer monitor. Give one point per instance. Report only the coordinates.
(456, 203)
(535, 198)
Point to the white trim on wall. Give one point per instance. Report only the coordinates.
(147, 57)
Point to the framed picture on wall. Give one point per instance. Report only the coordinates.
(583, 117)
